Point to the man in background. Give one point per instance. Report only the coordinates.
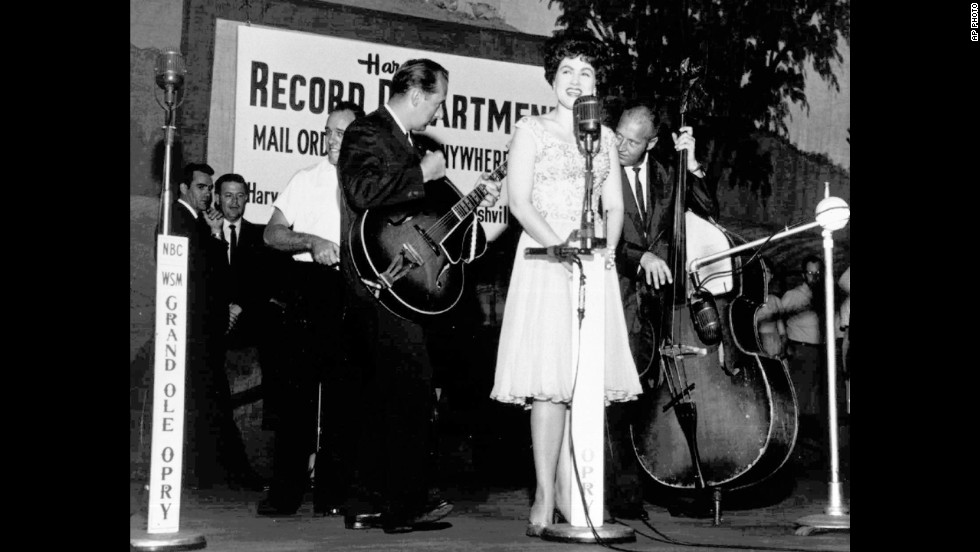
(212, 440)
(802, 310)
(304, 341)
(246, 285)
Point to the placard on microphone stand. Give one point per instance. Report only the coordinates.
(585, 472)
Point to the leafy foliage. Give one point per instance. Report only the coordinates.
(745, 64)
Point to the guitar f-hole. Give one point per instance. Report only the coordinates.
(439, 279)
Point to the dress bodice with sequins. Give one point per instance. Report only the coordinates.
(559, 174)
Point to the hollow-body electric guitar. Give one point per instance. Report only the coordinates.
(411, 255)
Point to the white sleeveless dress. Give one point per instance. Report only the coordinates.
(535, 354)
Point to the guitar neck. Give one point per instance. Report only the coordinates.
(468, 204)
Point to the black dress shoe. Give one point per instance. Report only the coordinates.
(434, 511)
(362, 521)
(267, 508)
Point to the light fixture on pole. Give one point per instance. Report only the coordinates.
(832, 214)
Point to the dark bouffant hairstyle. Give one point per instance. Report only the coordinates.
(572, 44)
(422, 73)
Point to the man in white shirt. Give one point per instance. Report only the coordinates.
(304, 358)
(802, 309)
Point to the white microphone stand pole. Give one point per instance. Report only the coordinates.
(584, 440)
(170, 355)
(836, 516)
(832, 214)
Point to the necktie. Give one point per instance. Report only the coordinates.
(641, 198)
(232, 244)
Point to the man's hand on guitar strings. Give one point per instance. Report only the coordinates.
(493, 190)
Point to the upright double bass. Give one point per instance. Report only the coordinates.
(722, 415)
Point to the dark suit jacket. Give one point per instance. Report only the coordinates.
(652, 233)
(249, 281)
(377, 164)
(655, 231)
(378, 167)
(207, 308)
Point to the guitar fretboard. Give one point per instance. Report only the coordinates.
(468, 204)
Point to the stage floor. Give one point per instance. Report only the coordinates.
(495, 518)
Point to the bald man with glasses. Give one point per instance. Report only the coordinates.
(648, 181)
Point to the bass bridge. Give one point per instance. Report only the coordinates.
(678, 351)
(428, 241)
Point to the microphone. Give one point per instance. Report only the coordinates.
(704, 316)
(585, 111)
(169, 70)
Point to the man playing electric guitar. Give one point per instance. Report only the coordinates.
(380, 167)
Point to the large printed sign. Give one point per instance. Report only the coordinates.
(287, 82)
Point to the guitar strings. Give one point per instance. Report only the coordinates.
(446, 223)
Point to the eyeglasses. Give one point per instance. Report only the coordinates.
(630, 143)
(817, 273)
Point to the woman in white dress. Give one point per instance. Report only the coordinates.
(546, 183)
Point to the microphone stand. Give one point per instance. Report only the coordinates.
(583, 442)
(168, 141)
(170, 356)
(832, 214)
(586, 233)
